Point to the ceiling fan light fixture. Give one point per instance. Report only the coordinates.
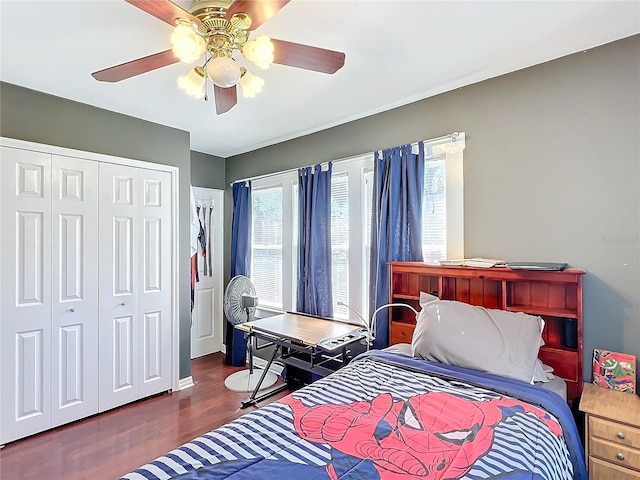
(193, 82)
(208, 34)
(251, 85)
(259, 51)
(188, 44)
(223, 71)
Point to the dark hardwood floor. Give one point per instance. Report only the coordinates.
(114, 443)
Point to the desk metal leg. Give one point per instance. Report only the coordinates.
(252, 400)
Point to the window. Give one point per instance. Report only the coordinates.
(442, 201)
(434, 212)
(275, 238)
(274, 241)
(340, 243)
(275, 227)
(367, 190)
(266, 245)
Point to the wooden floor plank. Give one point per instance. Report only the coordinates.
(114, 443)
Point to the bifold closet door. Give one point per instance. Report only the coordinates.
(49, 314)
(25, 314)
(135, 283)
(74, 286)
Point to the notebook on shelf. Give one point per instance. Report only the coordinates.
(552, 266)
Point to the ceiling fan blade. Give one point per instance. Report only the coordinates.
(136, 67)
(164, 10)
(307, 57)
(225, 98)
(258, 11)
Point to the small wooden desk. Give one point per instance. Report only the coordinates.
(314, 344)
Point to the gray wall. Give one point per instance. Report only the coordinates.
(551, 172)
(207, 171)
(37, 117)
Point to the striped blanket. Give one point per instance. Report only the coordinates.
(389, 417)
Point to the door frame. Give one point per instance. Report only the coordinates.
(174, 228)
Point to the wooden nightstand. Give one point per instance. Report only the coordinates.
(612, 433)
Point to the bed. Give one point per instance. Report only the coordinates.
(390, 416)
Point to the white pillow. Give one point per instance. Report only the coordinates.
(495, 341)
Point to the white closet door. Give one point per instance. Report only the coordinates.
(118, 276)
(153, 353)
(74, 192)
(135, 284)
(25, 312)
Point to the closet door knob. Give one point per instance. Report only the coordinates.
(620, 456)
(72, 309)
(124, 304)
(621, 435)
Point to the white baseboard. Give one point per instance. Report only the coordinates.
(186, 382)
(224, 348)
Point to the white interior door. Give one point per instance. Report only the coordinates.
(25, 283)
(74, 282)
(207, 318)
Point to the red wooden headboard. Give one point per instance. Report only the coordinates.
(555, 296)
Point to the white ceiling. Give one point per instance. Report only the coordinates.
(397, 52)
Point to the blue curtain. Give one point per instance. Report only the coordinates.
(396, 223)
(314, 240)
(240, 264)
(241, 230)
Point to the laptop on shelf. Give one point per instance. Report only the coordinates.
(537, 266)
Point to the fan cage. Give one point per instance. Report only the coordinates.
(233, 308)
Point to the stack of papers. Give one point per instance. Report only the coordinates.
(484, 262)
(452, 263)
(480, 262)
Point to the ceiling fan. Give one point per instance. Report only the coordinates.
(210, 33)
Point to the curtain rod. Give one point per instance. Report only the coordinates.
(451, 136)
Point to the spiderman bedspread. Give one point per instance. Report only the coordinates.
(387, 416)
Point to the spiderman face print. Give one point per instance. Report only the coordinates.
(430, 436)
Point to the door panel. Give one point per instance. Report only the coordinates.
(155, 288)
(30, 246)
(29, 366)
(153, 342)
(25, 310)
(123, 248)
(71, 381)
(123, 349)
(118, 309)
(207, 318)
(74, 187)
(153, 255)
(70, 255)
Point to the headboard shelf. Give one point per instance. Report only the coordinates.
(555, 296)
(542, 311)
(406, 296)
